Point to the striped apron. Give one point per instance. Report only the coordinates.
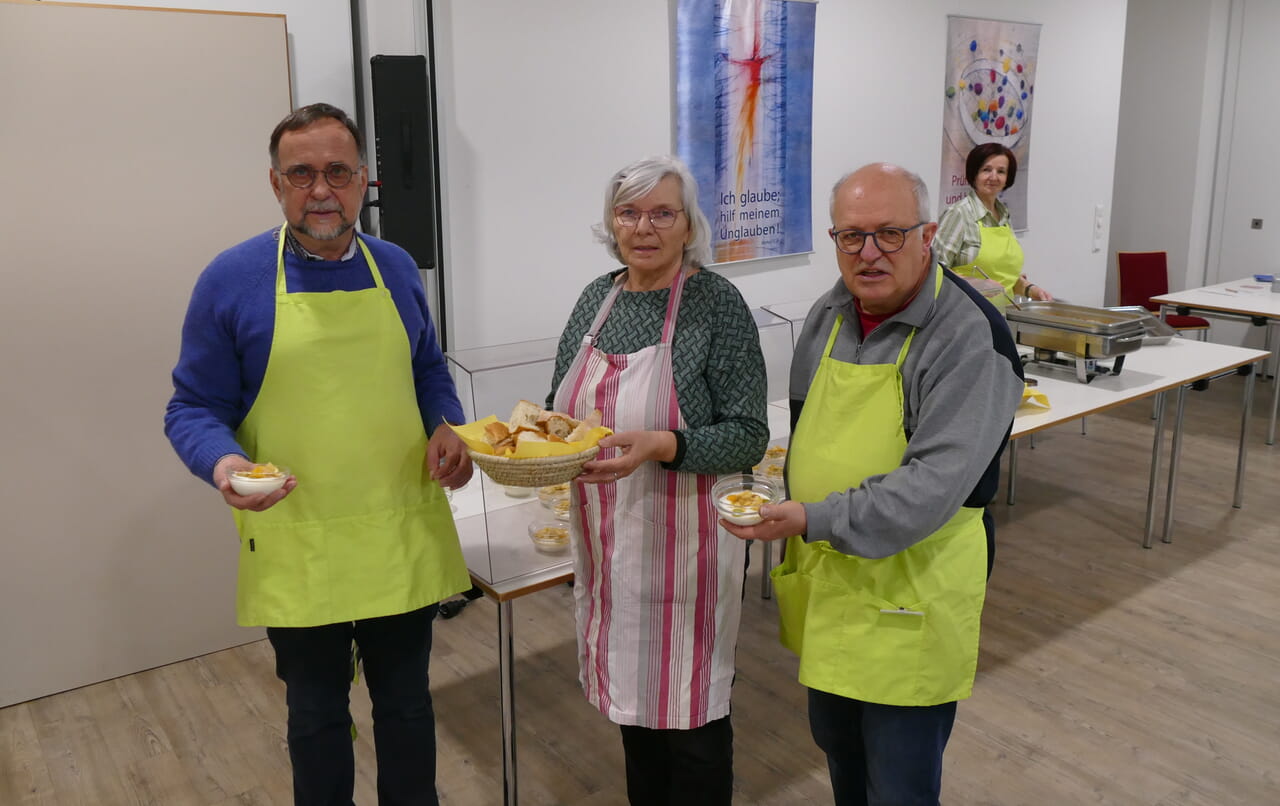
(657, 583)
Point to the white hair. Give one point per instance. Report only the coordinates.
(918, 188)
(638, 179)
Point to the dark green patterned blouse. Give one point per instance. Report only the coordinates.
(716, 360)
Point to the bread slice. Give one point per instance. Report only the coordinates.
(496, 432)
(529, 435)
(558, 425)
(580, 433)
(524, 415)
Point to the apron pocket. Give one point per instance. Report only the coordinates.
(888, 640)
(807, 606)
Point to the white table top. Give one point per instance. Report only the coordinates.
(1147, 371)
(1246, 296)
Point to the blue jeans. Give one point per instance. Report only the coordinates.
(881, 755)
(315, 665)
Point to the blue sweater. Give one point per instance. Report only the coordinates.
(226, 340)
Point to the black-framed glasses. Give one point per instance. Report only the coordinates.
(338, 175)
(661, 218)
(887, 239)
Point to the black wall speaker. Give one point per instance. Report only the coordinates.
(405, 144)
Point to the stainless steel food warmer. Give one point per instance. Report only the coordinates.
(1065, 335)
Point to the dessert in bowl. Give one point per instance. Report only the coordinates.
(263, 478)
(738, 498)
(550, 537)
(553, 493)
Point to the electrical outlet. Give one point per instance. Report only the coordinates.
(1256, 223)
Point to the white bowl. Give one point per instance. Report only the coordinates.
(744, 512)
(549, 537)
(244, 484)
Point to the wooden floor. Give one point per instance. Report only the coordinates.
(1108, 674)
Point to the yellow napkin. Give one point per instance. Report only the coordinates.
(473, 435)
(1032, 397)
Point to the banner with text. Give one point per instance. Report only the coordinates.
(744, 121)
(989, 86)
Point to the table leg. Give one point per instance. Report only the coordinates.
(1275, 398)
(1247, 410)
(506, 678)
(766, 561)
(1013, 467)
(1175, 453)
(1156, 445)
(1266, 345)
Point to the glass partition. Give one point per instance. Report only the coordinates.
(497, 523)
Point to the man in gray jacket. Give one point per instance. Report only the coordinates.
(903, 390)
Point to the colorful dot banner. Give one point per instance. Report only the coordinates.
(988, 91)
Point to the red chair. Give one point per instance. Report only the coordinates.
(1144, 275)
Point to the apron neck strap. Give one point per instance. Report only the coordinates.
(902, 354)
(668, 325)
(282, 285)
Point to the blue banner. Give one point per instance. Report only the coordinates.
(744, 121)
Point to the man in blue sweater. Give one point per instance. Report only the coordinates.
(311, 347)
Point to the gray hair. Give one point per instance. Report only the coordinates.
(918, 188)
(636, 180)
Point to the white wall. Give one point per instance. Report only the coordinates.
(1249, 168)
(540, 103)
(1196, 154)
(1165, 159)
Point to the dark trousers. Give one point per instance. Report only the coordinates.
(881, 755)
(315, 664)
(679, 767)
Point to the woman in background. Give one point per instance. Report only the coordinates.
(671, 356)
(974, 233)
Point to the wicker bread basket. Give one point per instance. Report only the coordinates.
(535, 472)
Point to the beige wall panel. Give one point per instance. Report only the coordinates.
(134, 150)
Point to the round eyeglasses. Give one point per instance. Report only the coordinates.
(338, 175)
(887, 239)
(662, 218)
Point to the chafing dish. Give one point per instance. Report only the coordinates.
(1082, 335)
(1158, 330)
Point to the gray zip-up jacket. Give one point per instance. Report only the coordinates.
(962, 382)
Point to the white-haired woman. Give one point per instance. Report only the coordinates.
(670, 355)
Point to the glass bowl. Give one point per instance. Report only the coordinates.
(549, 537)
(550, 494)
(245, 482)
(738, 498)
(560, 508)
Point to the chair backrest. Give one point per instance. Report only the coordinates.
(1143, 275)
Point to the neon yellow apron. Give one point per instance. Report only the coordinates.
(366, 533)
(902, 630)
(999, 255)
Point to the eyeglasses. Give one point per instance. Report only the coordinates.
(662, 218)
(887, 239)
(338, 175)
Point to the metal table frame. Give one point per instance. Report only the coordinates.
(1238, 300)
(505, 593)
